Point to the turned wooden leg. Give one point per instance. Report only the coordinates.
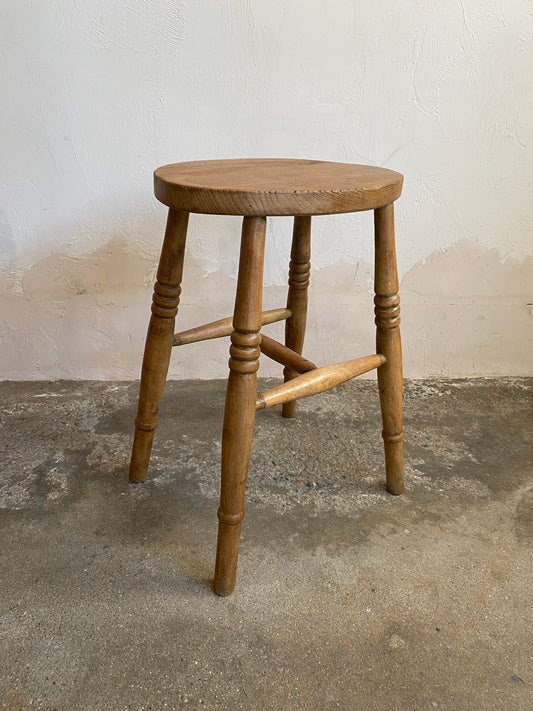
(159, 340)
(299, 270)
(240, 401)
(387, 310)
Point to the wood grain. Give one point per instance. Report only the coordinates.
(318, 380)
(299, 273)
(388, 342)
(241, 393)
(270, 186)
(224, 327)
(282, 354)
(158, 346)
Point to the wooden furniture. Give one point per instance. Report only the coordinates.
(256, 189)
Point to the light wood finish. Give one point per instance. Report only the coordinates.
(319, 380)
(256, 189)
(299, 272)
(388, 342)
(239, 413)
(223, 327)
(281, 354)
(158, 346)
(270, 186)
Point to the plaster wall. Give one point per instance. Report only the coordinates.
(97, 94)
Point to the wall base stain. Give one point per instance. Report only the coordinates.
(464, 313)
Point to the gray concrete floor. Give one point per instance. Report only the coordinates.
(347, 597)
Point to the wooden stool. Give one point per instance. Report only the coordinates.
(256, 189)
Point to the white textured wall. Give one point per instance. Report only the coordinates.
(97, 94)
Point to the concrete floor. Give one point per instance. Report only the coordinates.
(347, 597)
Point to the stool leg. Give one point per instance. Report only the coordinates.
(387, 310)
(158, 346)
(299, 270)
(241, 395)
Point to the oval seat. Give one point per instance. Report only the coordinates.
(275, 186)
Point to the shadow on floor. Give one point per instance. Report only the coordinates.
(347, 597)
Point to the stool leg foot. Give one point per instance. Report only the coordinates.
(388, 342)
(236, 448)
(158, 346)
(299, 270)
(241, 394)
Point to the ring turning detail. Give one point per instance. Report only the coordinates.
(258, 189)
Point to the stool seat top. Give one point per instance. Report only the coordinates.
(275, 186)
